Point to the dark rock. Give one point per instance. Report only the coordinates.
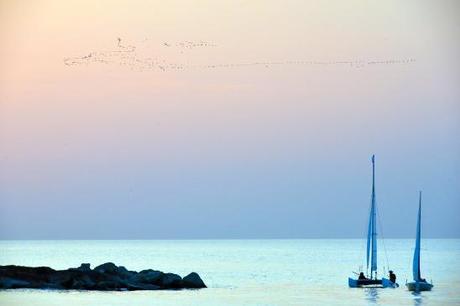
(82, 282)
(193, 280)
(104, 277)
(26, 277)
(124, 273)
(108, 267)
(171, 280)
(149, 276)
(140, 286)
(84, 267)
(109, 285)
(11, 283)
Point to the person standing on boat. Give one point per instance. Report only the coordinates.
(392, 277)
(361, 276)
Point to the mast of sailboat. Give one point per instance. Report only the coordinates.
(372, 229)
(374, 221)
(416, 262)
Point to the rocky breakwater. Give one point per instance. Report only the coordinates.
(105, 277)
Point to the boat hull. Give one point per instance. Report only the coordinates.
(388, 283)
(419, 286)
(371, 283)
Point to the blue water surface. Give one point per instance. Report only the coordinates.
(244, 272)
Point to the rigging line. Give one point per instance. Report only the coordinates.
(427, 259)
(383, 239)
(367, 236)
(364, 245)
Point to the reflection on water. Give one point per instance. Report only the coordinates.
(372, 295)
(418, 298)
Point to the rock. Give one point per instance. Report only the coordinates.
(84, 267)
(108, 267)
(25, 277)
(149, 276)
(109, 285)
(124, 273)
(11, 283)
(193, 280)
(83, 282)
(142, 287)
(104, 277)
(171, 280)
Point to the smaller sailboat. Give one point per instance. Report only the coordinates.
(419, 283)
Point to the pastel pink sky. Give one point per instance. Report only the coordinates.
(264, 148)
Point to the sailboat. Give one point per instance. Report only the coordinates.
(419, 284)
(371, 280)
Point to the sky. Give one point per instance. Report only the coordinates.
(228, 119)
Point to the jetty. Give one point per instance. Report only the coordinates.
(106, 277)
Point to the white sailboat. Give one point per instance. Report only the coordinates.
(371, 280)
(419, 284)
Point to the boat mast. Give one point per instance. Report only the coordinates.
(416, 262)
(374, 219)
(372, 232)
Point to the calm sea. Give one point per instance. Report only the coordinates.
(243, 272)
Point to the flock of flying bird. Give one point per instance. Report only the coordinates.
(190, 44)
(125, 55)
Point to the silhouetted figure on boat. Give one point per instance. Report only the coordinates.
(392, 277)
(361, 276)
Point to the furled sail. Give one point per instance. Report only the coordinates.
(372, 230)
(416, 262)
(369, 238)
(374, 242)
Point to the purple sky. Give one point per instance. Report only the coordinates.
(259, 132)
